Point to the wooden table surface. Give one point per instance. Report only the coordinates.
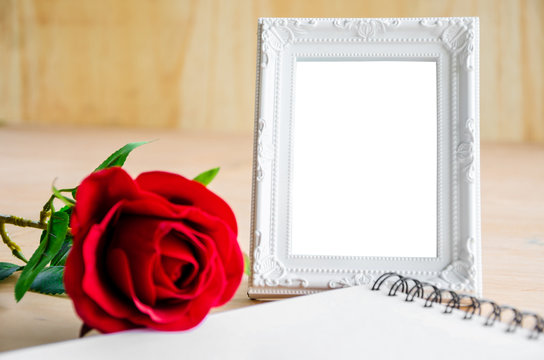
(32, 157)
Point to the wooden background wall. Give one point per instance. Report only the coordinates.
(191, 64)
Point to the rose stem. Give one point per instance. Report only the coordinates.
(17, 221)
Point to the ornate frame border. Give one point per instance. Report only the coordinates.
(453, 42)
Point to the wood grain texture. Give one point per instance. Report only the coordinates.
(10, 82)
(190, 64)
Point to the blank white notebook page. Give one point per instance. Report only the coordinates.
(353, 323)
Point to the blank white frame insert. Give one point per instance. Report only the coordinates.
(356, 166)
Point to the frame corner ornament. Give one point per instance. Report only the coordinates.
(269, 271)
(459, 37)
(460, 274)
(278, 33)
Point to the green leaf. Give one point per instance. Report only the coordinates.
(207, 176)
(60, 257)
(67, 210)
(247, 265)
(50, 244)
(6, 269)
(119, 157)
(68, 202)
(49, 281)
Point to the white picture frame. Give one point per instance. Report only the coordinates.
(453, 43)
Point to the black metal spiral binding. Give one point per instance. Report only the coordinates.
(432, 294)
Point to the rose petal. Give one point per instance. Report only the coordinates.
(94, 282)
(151, 205)
(84, 306)
(179, 316)
(196, 312)
(175, 239)
(227, 248)
(123, 278)
(227, 244)
(92, 314)
(179, 272)
(137, 237)
(97, 194)
(180, 190)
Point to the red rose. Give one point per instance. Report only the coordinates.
(157, 252)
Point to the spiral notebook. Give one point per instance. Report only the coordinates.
(350, 323)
